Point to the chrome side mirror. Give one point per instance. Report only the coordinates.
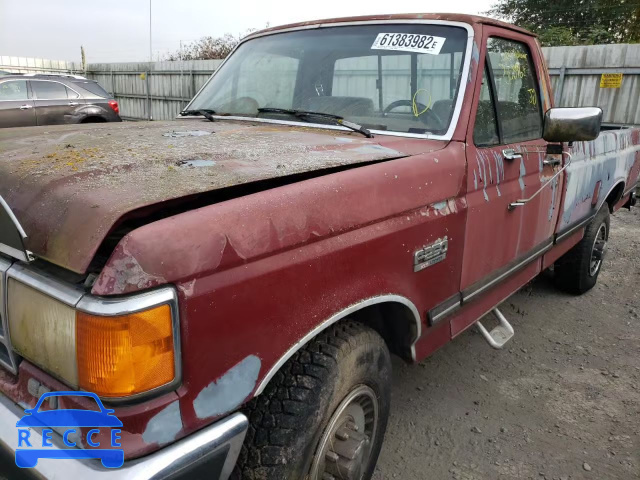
(572, 124)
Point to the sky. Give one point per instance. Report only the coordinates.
(118, 30)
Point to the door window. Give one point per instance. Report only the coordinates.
(485, 130)
(14, 90)
(49, 90)
(515, 90)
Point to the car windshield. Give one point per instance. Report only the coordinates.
(394, 77)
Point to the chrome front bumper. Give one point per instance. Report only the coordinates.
(219, 443)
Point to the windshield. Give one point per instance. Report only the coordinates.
(395, 77)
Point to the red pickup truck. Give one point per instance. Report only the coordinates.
(232, 283)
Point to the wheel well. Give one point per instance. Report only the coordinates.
(615, 195)
(93, 119)
(395, 318)
(396, 324)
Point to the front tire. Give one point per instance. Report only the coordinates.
(577, 270)
(324, 414)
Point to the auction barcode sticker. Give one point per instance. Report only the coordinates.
(409, 42)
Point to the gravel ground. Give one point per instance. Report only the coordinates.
(561, 401)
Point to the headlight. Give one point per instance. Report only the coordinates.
(43, 330)
(115, 348)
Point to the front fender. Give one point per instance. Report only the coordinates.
(257, 275)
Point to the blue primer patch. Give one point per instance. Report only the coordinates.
(230, 390)
(164, 426)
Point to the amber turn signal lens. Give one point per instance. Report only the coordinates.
(125, 355)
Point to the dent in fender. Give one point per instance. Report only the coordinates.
(229, 391)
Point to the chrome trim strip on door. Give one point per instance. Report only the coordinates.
(452, 304)
(462, 81)
(564, 233)
(509, 269)
(333, 319)
(444, 309)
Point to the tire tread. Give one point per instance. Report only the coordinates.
(288, 400)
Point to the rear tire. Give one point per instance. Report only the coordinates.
(332, 396)
(577, 270)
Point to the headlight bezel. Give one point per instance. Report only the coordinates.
(80, 301)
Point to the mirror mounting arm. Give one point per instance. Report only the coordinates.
(521, 202)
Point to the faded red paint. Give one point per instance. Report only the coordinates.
(256, 273)
(71, 185)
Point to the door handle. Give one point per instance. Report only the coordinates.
(510, 154)
(552, 163)
(521, 202)
(26, 107)
(73, 104)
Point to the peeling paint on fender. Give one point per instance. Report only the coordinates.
(229, 391)
(120, 274)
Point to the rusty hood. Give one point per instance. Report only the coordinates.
(70, 185)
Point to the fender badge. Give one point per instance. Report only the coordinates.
(430, 254)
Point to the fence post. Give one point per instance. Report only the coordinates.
(149, 115)
(560, 86)
(193, 84)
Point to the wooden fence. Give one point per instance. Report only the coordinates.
(152, 91)
(577, 79)
(160, 90)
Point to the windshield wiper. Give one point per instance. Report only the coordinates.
(303, 114)
(205, 112)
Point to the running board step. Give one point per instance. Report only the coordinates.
(500, 335)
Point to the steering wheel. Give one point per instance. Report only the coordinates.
(421, 108)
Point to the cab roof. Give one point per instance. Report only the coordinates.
(452, 17)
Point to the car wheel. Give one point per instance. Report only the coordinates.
(324, 415)
(577, 270)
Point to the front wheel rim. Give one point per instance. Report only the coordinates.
(598, 250)
(344, 449)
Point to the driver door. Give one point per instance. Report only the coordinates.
(506, 162)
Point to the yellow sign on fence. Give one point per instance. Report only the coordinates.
(611, 80)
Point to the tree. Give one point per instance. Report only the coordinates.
(207, 48)
(574, 22)
(211, 48)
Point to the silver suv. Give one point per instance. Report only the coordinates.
(39, 99)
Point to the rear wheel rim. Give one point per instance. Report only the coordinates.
(598, 250)
(344, 449)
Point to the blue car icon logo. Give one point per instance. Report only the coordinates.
(67, 421)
